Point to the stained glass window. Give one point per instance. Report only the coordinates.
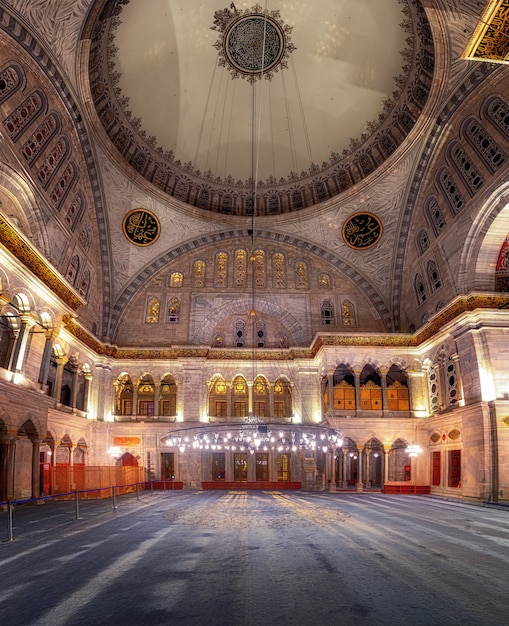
(152, 313)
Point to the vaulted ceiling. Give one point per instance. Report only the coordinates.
(348, 122)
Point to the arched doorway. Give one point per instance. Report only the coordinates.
(128, 460)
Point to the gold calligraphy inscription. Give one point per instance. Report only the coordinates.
(141, 227)
(490, 41)
(126, 442)
(362, 231)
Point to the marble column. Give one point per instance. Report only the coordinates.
(36, 467)
(357, 375)
(46, 357)
(57, 390)
(383, 376)
(330, 383)
(20, 345)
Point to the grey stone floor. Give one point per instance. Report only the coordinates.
(255, 558)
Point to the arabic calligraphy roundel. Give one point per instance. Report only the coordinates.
(141, 227)
(362, 231)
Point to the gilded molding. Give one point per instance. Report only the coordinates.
(38, 265)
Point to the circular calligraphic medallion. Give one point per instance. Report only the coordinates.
(141, 227)
(248, 37)
(362, 231)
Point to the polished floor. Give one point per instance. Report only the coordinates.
(255, 558)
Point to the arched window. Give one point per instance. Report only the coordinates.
(260, 269)
(399, 462)
(466, 168)
(397, 390)
(79, 453)
(84, 283)
(240, 268)
(64, 183)
(53, 161)
(152, 311)
(451, 376)
(23, 115)
(347, 313)
(434, 216)
(239, 397)
(168, 397)
(8, 326)
(273, 204)
(85, 237)
(173, 312)
(420, 289)
(370, 389)
(203, 199)
(433, 275)
(422, 241)
(221, 270)
(502, 271)
(217, 398)
(40, 138)
(324, 281)
(365, 164)
(497, 111)
(282, 399)
(484, 144)
(75, 211)
(261, 397)
(321, 192)
(327, 313)
(278, 270)
(176, 280)
(10, 81)
(146, 396)
(343, 389)
(433, 389)
(450, 190)
(239, 333)
(260, 333)
(387, 144)
(297, 202)
(73, 269)
(199, 269)
(124, 395)
(301, 275)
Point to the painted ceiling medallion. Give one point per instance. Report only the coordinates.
(362, 231)
(141, 227)
(253, 43)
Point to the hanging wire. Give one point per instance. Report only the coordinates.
(223, 112)
(301, 110)
(207, 101)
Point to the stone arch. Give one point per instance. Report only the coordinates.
(483, 243)
(342, 265)
(204, 332)
(128, 460)
(20, 196)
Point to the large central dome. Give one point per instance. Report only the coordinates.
(281, 94)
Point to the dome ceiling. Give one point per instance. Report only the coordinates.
(201, 99)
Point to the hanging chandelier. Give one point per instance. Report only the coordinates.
(254, 435)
